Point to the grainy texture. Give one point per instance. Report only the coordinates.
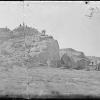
(47, 81)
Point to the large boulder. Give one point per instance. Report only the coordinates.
(71, 58)
(71, 52)
(82, 64)
(67, 61)
(29, 47)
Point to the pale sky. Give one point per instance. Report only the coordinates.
(65, 21)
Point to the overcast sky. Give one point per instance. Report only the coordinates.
(66, 21)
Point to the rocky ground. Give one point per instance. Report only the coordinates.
(44, 81)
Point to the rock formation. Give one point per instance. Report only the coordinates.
(71, 58)
(27, 46)
(67, 61)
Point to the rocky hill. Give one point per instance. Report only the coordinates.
(26, 46)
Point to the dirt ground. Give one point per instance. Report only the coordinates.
(48, 81)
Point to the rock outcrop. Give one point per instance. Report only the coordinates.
(27, 46)
(71, 58)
